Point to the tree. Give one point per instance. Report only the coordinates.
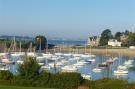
(29, 69)
(131, 39)
(41, 42)
(105, 36)
(127, 32)
(118, 35)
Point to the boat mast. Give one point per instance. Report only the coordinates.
(14, 45)
(20, 46)
(90, 50)
(40, 46)
(85, 49)
(5, 47)
(46, 46)
(31, 47)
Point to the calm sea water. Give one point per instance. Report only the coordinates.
(67, 42)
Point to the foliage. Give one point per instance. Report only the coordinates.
(106, 83)
(127, 32)
(118, 35)
(6, 75)
(131, 39)
(40, 40)
(29, 76)
(29, 69)
(88, 83)
(26, 44)
(105, 36)
(16, 87)
(66, 80)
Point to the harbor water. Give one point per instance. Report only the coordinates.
(88, 67)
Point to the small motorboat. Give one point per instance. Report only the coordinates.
(120, 72)
(97, 70)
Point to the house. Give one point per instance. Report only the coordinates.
(131, 47)
(114, 43)
(93, 41)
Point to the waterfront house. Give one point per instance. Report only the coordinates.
(93, 41)
(114, 43)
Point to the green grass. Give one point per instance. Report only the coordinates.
(16, 87)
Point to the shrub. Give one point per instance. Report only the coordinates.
(29, 69)
(106, 83)
(6, 75)
(66, 80)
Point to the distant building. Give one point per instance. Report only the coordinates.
(93, 41)
(114, 43)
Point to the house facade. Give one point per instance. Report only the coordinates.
(114, 43)
(93, 41)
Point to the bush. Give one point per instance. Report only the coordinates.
(6, 75)
(65, 80)
(29, 69)
(43, 79)
(88, 83)
(106, 83)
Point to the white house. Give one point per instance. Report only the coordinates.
(131, 47)
(114, 42)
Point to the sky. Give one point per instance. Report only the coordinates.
(73, 19)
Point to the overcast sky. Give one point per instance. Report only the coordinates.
(65, 18)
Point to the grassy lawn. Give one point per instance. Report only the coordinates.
(16, 87)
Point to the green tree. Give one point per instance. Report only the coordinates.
(105, 36)
(131, 39)
(118, 35)
(127, 32)
(40, 41)
(29, 69)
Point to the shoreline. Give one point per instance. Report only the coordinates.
(115, 52)
(121, 52)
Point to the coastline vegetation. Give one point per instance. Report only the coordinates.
(5, 44)
(127, 38)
